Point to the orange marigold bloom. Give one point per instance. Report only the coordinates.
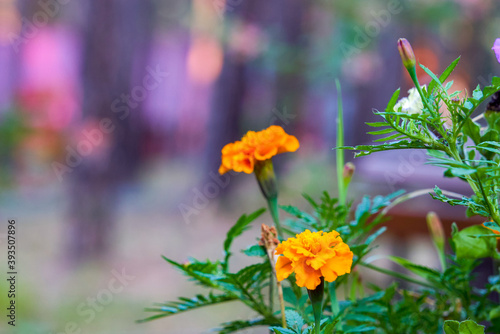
(312, 256)
(241, 156)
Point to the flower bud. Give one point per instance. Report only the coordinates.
(264, 173)
(348, 172)
(406, 52)
(436, 229)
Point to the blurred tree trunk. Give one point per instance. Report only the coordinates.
(116, 47)
(227, 103)
(290, 84)
(237, 73)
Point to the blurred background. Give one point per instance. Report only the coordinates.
(113, 114)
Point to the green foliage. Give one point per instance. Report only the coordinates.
(468, 244)
(464, 327)
(444, 298)
(446, 137)
(186, 304)
(247, 285)
(241, 226)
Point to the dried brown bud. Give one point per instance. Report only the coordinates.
(269, 237)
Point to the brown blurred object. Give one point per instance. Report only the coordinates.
(116, 43)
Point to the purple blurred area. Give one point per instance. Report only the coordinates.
(113, 114)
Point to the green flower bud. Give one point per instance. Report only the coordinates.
(264, 172)
(406, 52)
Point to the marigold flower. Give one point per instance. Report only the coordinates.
(241, 156)
(412, 104)
(312, 256)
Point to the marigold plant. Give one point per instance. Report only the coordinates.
(241, 156)
(312, 255)
(444, 297)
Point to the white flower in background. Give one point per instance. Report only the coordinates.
(411, 104)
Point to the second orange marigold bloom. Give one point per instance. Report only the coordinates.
(312, 256)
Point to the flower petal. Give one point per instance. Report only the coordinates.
(283, 268)
(306, 276)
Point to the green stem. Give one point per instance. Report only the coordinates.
(413, 194)
(273, 209)
(491, 208)
(316, 297)
(453, 152)
(413, 74)
(396, 274)
(340, 143)
(271, 292)
(442, 258)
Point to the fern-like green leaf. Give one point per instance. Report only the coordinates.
(185, 304)
(241, 226)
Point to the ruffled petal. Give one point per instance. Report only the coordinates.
(265, 151)
(306, 276)
(262, 145)
(283, 268)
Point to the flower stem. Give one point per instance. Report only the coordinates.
(271, 291)
(271, 257)
(413, 74)
(340, 143)
(316, 297)
(273, 209)
(282, 305)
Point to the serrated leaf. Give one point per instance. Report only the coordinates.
(381, 132)
(434, 77)
(204, 273)
(237, 325)
(376, 124)
(393, 100)
(294, 211)
(360, 329)
(473, 130)
(185, 304)
(237, 229)
(281, 330)
(374, 235)
(254, 250)
(392, 137)
(294, 320)
(359, 317)
(422, 271)
(444, 75)
(477, 94)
